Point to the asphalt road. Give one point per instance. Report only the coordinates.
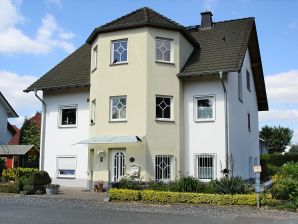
(13, 212)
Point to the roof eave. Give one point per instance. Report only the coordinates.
(184, 32)
(11, 112)
(57, 87)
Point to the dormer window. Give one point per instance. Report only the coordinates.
(119, 51)
(163, 49)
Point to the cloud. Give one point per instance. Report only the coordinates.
(209, 4)
(48, 36)
(293, 25)
(55, 2)
(282, 87)
(12, 86)
(279, 115)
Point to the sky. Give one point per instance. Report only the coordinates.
(36, 35)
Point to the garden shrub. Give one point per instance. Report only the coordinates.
(187, 184)
(11, 187)
(229, 185)
(285, 189)
(182, 197)
(37, 181)
(15, 173)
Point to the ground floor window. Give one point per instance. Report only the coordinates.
(66, 166)
(163, 167)
(205, 166)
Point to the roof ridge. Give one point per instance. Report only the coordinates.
(166, 18)
(121, 17)
(223, 21)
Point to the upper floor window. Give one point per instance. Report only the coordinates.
(204, 108)
(164, 108)
(93, 111)
(163, 49)
(240, 93)
(68, 116)
(248, 122)
(94, 58)
(119, 51)
(248, 80)
(118, 108)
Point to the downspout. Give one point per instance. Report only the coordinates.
(226, 122)
(42, 134)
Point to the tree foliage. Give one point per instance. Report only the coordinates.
(293, 150)
(277, 138)
(30, 134)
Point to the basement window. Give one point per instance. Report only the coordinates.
(66, 166)
(205, 166)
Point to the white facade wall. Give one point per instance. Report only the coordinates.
(61, 141)
(203, 136)
(5, 135)
(243, 143)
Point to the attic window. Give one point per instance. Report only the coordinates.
(163, 49)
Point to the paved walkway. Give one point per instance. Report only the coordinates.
(76, 193)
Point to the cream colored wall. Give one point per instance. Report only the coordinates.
(141, 79)
(165, 137)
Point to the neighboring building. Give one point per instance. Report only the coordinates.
(36, 119)
(155, 99)
(6, 129)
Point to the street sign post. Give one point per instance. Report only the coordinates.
(258, 170)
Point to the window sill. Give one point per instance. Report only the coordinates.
(94, 69)
(68, 126)
(120, 63)
(165, 62)
(71, 177)
(204, 120)
(164, 120)
(118, 121)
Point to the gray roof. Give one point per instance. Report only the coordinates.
(15, 149)
(223, 47)
(73, 71)
(139, 18)
(8, 108)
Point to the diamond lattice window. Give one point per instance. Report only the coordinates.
(118, 108)
(163, 50)
(119, 51)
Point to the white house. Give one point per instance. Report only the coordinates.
(149, 97)
(6, 111)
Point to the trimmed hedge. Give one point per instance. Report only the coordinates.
(15, 173)
(181, 197)
(10, 187)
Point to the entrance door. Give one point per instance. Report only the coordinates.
(117, 168)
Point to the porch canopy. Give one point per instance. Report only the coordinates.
(110, 140)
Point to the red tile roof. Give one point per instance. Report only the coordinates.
(36, 119)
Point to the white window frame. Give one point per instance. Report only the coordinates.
(93, 112)
(196, 162)
(62, 107)
(112, 52)
(111, 109)
(61, 176)
(248, 82)
(171, 109)
(172, 167)
(94, 58)
(202, 97)
(240, 87)
(171, 50)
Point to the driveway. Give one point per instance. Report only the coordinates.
(17, 209)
